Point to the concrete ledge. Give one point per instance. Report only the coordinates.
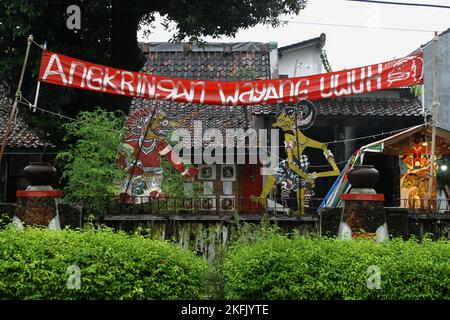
(38, 193)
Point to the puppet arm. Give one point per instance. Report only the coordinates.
(328, 155)
(330, 158)
(177, 163)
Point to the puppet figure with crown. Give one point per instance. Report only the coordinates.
(140, 155)
(292, 173)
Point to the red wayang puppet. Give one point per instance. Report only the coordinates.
(419, 152)
(140, 155)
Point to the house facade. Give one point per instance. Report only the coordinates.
(340, 122)
(301, 58)
(226, 185)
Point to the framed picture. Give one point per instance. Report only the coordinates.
(208, 188)
(227, 188)
(227, 203)
(188, 188)
(228, 172)
(207, 172)
(187, 204)
(208, 203)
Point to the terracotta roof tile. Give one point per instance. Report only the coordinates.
(209, 63)
(358, 107)
(20, 136)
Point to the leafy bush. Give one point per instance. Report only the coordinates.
(34, 265)
(275, 267)
(90, 173)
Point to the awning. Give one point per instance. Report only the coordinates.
(393, 145)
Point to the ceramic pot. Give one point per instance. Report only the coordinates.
(363, 176)
(40, 174)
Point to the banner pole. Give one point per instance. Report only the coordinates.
(434, 118)
(16, 98)
(38, 87)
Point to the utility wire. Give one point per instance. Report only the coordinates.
(369, 136)
(30, 105)
(287, 21)
(403, 3)
(358, 26)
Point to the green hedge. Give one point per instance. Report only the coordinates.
(275, 267)
(34, 265)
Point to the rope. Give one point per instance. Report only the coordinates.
(39, 45)
(30, 105)
(318, 166)
(369, 136)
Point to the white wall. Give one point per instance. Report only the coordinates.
(443, 81)
(307, 60)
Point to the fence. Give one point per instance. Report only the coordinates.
(212, 205)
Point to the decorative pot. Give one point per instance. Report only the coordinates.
(363, 176)
(40, 174)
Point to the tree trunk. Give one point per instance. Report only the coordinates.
(125, 52)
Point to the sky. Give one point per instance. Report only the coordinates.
(366, 42)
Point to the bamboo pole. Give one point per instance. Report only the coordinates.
(16, 98)
(434, 117)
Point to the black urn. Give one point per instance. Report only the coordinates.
(363, 176)
(40, 174)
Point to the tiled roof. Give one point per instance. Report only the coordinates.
(210, 117)
(20, 135)
(319, 42)
(208, 63)
(216, 61)
(358, 107)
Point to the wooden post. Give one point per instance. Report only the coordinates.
(16, 98)
(434, 119)
(300, 191)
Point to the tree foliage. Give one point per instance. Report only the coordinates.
(90, 173)
(108, 36)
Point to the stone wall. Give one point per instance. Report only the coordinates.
(329, 221)
(69, 214)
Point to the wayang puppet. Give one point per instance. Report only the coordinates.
(140, 155)
(292, 173)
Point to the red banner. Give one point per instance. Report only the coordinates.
(66, 71)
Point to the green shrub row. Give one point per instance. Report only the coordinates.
(36, 264)
(275, 267)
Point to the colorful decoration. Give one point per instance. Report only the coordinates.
(292, 173)
(414, 160)
(415, 174)
(140, 155)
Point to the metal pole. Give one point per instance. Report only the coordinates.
(434, 116)
(16, 99)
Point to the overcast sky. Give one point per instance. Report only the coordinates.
(349, 47)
